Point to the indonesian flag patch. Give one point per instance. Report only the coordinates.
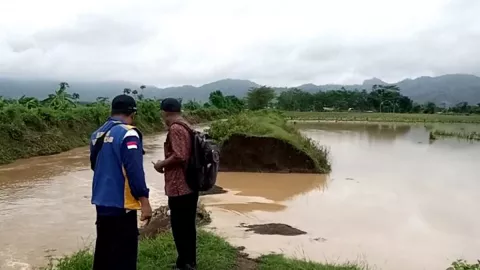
(132, 145)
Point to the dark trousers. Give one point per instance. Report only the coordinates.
(116, 247)
(183, 212)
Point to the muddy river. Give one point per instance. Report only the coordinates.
(394, 200)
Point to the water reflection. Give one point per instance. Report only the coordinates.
(385, 132)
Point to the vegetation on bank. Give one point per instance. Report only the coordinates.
(464, 265)
(384, 117)
(470, 136)
(270, 124)
(469, 132)
(214, 253)
(29, 127)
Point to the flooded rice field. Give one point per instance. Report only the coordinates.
(394, 200)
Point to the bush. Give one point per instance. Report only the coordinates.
(44, 130)
(464, 265)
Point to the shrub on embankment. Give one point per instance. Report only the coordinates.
(264, 141)
(27, 132)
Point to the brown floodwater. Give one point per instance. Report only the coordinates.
(45, 205)
(393, 199)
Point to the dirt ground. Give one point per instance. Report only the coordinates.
(244, 262)
(275, 156)
(160, 221)
(273, 229)
(215, 190)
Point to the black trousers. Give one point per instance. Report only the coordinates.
(183, 212)
(116, 247)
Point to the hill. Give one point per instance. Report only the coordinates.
(188, 92)
(449, 89)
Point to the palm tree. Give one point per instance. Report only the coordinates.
(141, 96)
(61, 99)
(64, 86)
(2, 102)
(29, 102)
(127, 91)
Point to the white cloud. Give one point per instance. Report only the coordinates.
(273, 42)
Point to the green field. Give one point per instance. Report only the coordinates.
(384, 117)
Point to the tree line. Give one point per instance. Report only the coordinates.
(381, 98)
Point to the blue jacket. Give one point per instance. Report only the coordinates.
(118, 179)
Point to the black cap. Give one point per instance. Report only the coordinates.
(171, 105)
(124, 104)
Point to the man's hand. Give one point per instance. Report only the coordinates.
(146, 210)
(158, 166)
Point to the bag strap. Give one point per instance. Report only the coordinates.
(98, 146)
(184, 125)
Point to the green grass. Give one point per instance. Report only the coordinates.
(159, 253)
(471, 136)
(384, 117)
(214, 253)
(464, 265)
(466, 131)
(270, 124)
(279, 262)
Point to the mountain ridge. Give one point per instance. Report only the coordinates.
(447, 89)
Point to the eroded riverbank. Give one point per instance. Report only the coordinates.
(393, 199)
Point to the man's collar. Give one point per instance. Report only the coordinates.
(116, 118)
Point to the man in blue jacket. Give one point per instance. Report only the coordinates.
(119, 188)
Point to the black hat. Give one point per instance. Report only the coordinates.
(171, 105)
(124, 104)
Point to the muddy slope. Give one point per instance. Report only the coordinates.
(160, 221)
(242, 153)
(213, 191)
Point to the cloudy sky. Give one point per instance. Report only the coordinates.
(281, 42)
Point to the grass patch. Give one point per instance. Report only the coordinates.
(159, 253)
(214, 253)
(464, 265)
(471, 136)
(384, 117)
(82, 260)
(270, 124)
(469, 132)
(279, 262)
